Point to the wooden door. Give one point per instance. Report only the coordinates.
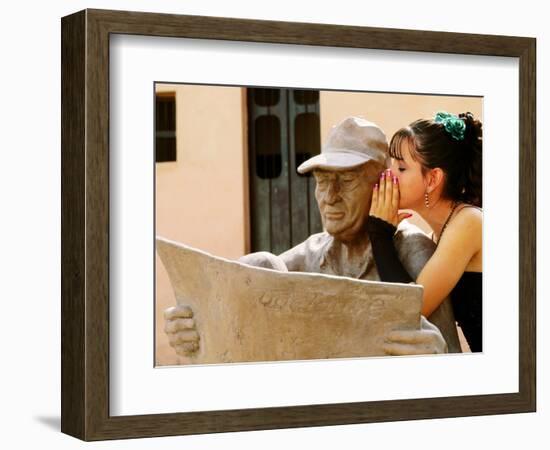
(284, 131)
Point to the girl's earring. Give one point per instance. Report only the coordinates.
(426, 199)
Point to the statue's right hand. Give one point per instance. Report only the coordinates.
(181, 330)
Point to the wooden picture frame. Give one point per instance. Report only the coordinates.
(85, 224)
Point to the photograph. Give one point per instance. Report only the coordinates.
(276, 224)
(297, 224)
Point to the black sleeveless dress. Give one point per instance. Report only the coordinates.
(467, 306)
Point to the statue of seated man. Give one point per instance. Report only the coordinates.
(345, 171)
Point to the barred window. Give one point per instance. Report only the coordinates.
(165, 126)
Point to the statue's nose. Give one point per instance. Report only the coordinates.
(332, 192)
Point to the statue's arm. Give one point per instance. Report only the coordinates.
(264, 259)
(294, 258)
(303, 257)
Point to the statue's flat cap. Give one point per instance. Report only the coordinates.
(352, 142)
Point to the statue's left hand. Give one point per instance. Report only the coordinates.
(181, 330)
(427, 340)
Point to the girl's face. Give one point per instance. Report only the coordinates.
(411, 180)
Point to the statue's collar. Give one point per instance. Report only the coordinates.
(336, 259)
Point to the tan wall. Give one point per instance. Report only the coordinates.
(209, 175)
(210, 179)
(391, 112)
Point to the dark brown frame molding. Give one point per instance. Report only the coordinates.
(85, 224)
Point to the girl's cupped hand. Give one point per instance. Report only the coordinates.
(385, 199)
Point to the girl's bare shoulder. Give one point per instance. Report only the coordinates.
(468, 215)
(466, 224)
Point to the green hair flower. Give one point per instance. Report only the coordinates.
(455, 126)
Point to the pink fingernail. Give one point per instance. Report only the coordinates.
(394, 180)
(382, 175)
(376, 186)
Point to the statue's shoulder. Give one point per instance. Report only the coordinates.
(407, 234)
(305, 256)
(318, 239)
(413, 246)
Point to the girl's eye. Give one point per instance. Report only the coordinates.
(401, 169)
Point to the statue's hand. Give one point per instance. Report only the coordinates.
(181, 330)
(427, 340)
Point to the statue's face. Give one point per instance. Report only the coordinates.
(343, 197)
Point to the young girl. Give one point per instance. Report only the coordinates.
(436, 171)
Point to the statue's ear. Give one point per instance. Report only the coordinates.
(373, 169)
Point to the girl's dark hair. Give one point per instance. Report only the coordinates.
(461, 160)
